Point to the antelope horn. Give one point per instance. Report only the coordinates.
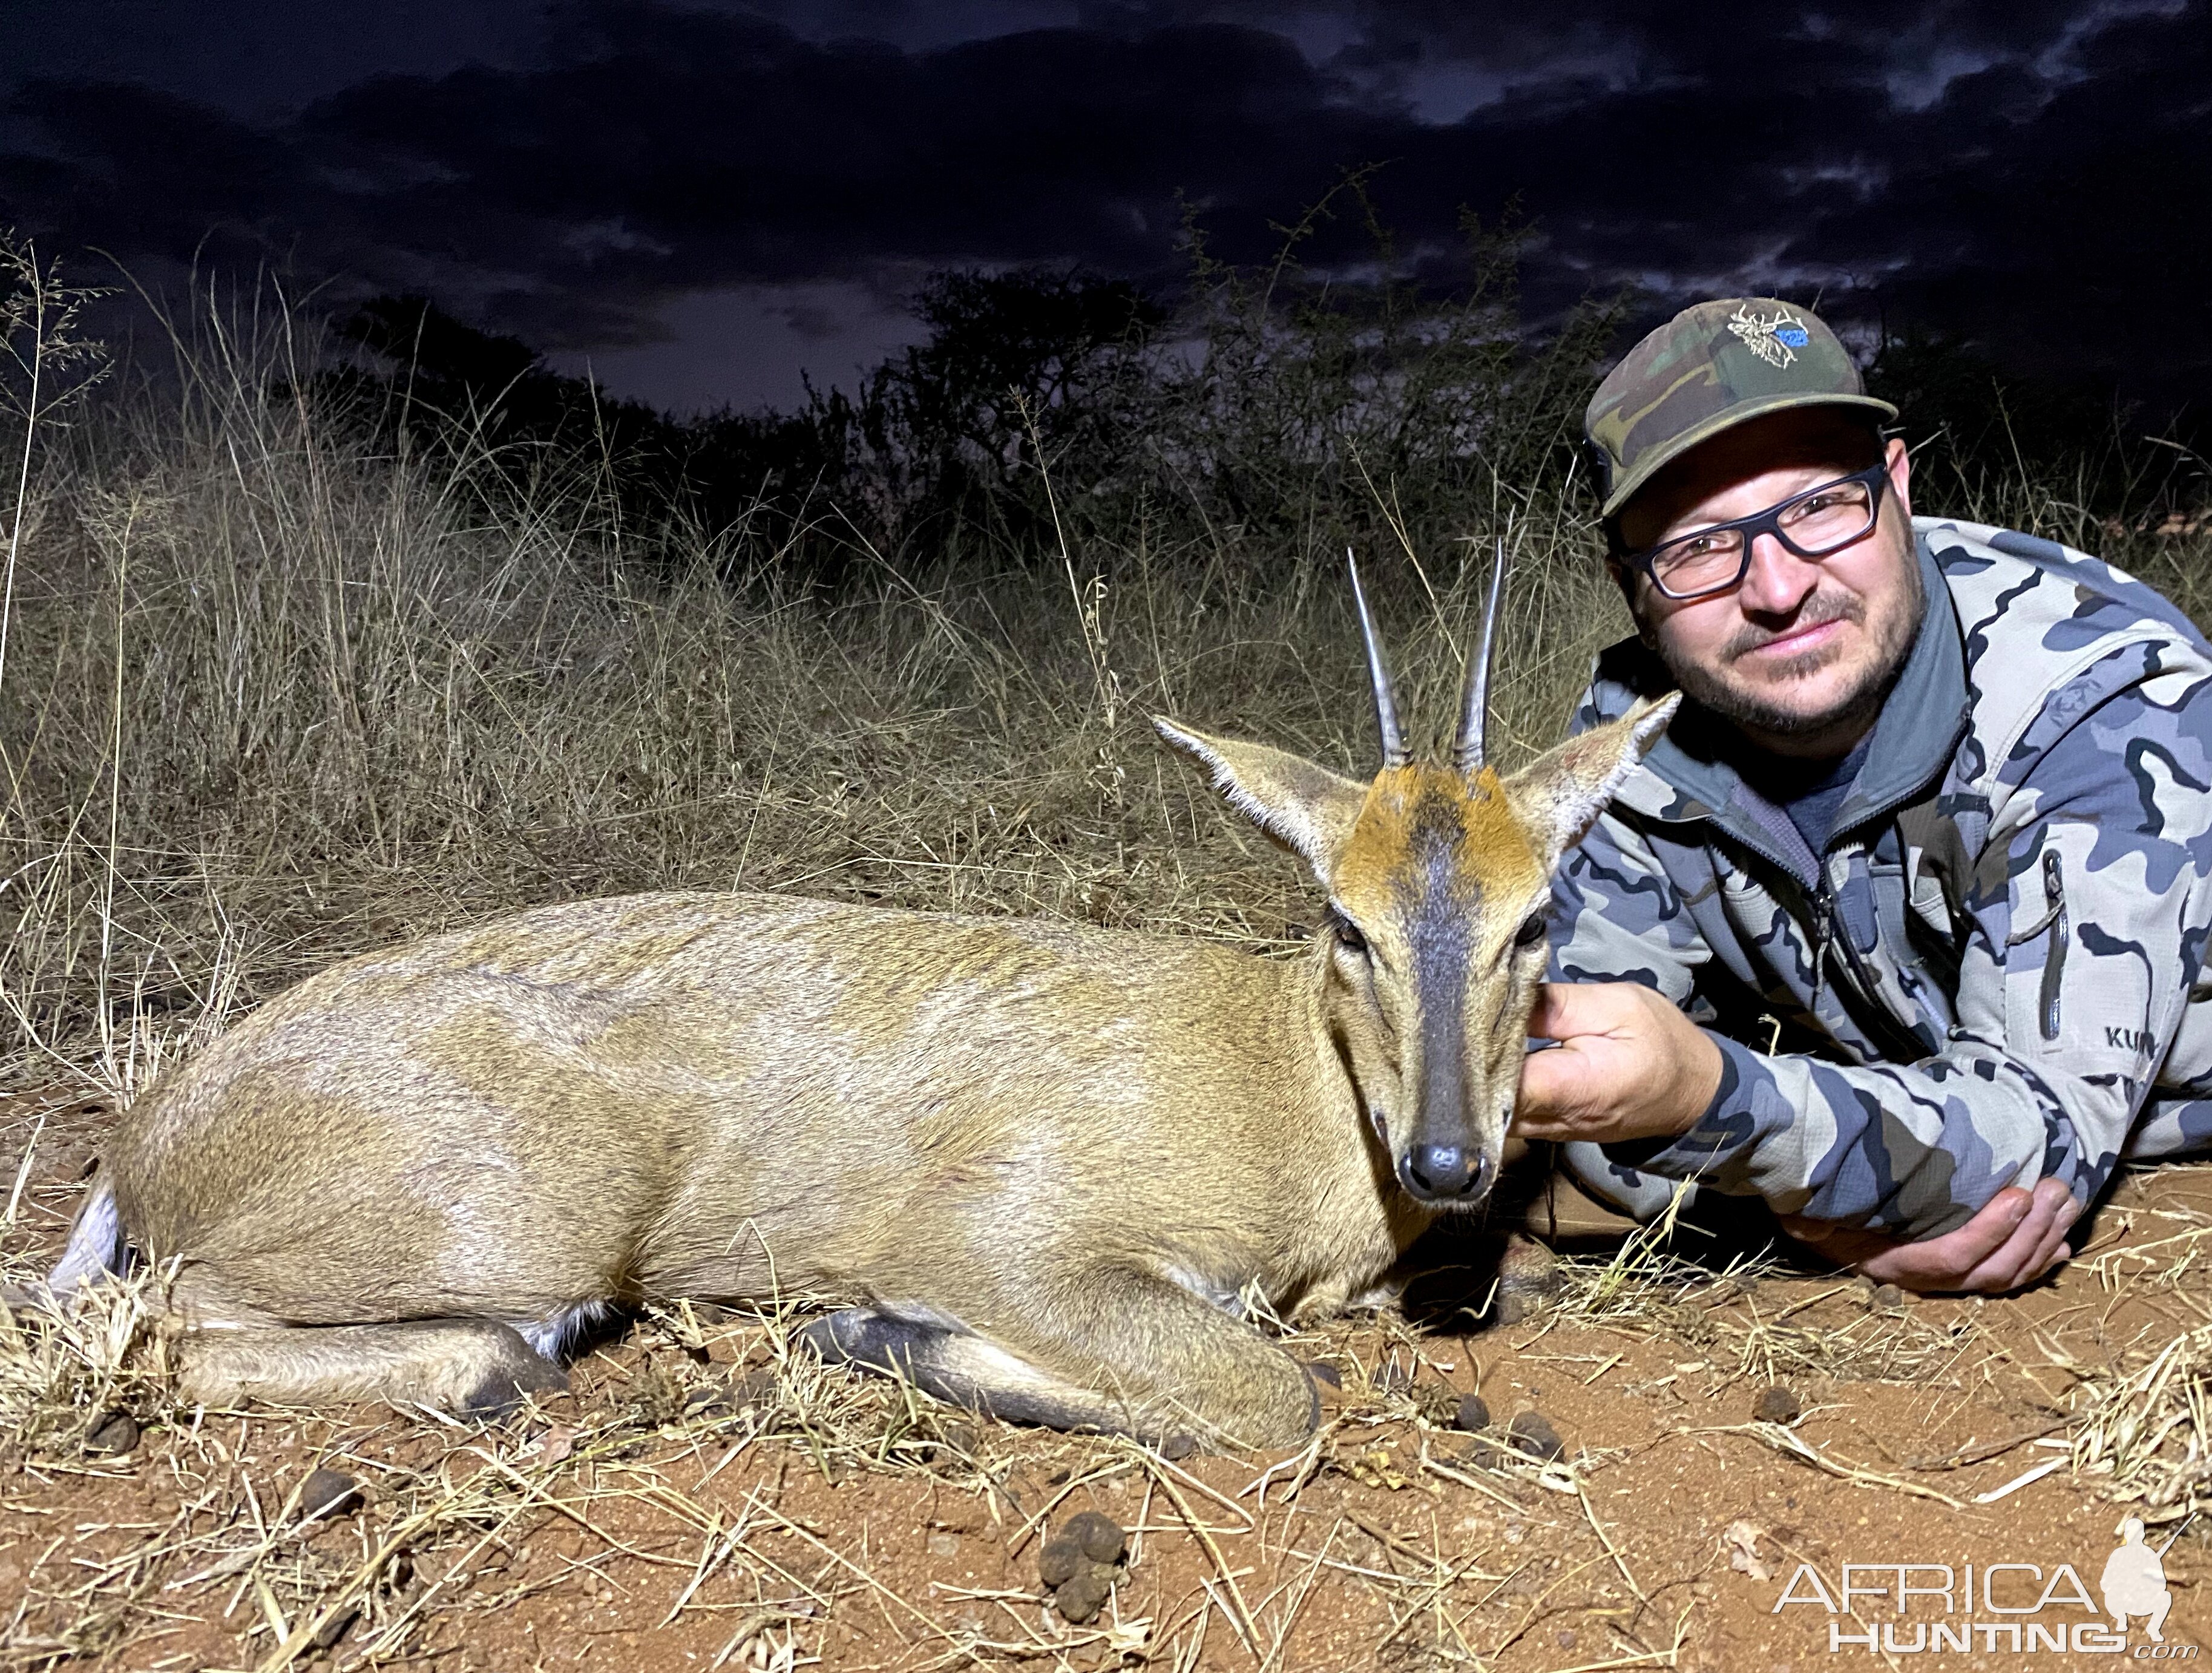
(1394, 752)
(1474, 703)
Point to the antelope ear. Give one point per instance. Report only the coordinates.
(1561, 793)
(1302, 804)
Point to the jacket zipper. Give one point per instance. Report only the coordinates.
(2054, 961)
(1826, 928)
(1901, 1044)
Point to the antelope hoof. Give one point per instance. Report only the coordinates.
(503, 1392)
(863, 1337)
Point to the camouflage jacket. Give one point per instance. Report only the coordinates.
(1993, 974)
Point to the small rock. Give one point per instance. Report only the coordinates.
(1178, 1446)
(1099, 1537)
(756, 1388)
(1080, 1597)
(326, 1636)
(1743, 1283)
(114, 1435)
(1472, 1413)
(963, 1440)
(710, 1399)
(944, 1545)
(1059, 1561)
(1528, 1276)
(1529, 1266)
(1777, 1405)
(1323, 1372)
(1741, 1540)
(1481, 1455)
(1886, 1295)
(1532, 1432)
(329, 1493)
(1565, 1638)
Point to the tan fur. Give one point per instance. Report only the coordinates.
(1045, 1158)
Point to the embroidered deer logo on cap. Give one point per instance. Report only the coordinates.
(1775, 338)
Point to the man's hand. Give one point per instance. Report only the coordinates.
(2016, 1238)
(1629, 1065)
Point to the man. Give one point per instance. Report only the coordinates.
(1901, 926)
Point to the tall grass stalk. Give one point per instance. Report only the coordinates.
(50, 363)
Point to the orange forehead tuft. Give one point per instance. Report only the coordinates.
(1414, 814)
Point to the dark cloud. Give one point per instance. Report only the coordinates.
(2033, 176)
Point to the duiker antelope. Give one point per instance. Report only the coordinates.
(1049, 1160)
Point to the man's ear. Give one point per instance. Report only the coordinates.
(1302, 804)
(1898, 458)
(1560, 794)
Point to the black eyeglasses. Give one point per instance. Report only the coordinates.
(1812, 524)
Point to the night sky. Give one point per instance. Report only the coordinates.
(700, 199)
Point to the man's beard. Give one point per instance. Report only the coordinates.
(1758, 715)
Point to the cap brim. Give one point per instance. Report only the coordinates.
(1659, 457)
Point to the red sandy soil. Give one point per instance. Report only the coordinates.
(718, 1539)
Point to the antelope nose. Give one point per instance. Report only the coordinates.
(1443, 1172)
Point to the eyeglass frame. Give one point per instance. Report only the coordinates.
(1768, 522)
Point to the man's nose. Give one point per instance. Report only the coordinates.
(1777, 580)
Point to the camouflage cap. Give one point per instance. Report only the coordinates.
(1709, 367)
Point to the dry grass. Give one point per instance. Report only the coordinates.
(1651, 1285)
(609, 1494)
(2143, 1424)
(273, 700)
(59, 1376)
(450, 1500)
(2147, 1429)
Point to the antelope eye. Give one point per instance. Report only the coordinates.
(1347, 933)
(1531, 932)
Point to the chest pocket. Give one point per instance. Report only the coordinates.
(1937, 874)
